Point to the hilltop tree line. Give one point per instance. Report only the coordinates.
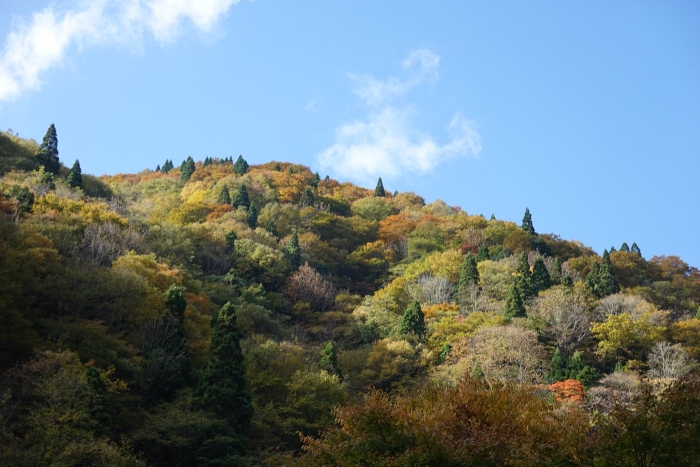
(218, 312)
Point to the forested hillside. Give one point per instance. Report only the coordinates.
(219, 313)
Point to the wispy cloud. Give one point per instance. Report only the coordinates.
(36, 45)
(385, 143)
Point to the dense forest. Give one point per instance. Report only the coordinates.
(219, 313)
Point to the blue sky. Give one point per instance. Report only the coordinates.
(586, 112)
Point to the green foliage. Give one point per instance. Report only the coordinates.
(379, 189)
(469, 275)
(241, 166)
(74, 177)
(167, 166)
(329, 360)
(315, 180)
(412, 321)
(540, 279)
(252, 216)
(483, 254)
(224, 196)
(635, 249)
(307, 198)
(241, 197)
(48, 151)
(527, 222)
(514, 306)
(222, 387)
(17, 153)
(187, 169)
(477, 372)
(293, 251)
(556, 276)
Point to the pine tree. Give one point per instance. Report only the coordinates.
(48, 151)
(483, 254)
(592, 280)
(412, 321)
(241, 198)
(515, 308)
(158, 168)
(187, 169)
(606, 277)
(613, 249)
(477, 372)
(252, 217)
(277, 167)
(329, 360)
(290, 170)
(469, 275)
(493, 218)
(557, 272)
(241, 166)
(167, 166)
(557, 368)
(379, 189)
(231, 241)
(525, 276)
(293, 251)
(307, 198)
(315, 180)
(222, 388)
(624, 247)
(527, 222)
(540, 279)
(224, 196)
(75, 176)
(635, 249)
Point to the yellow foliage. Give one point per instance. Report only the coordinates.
(83, 211)
(446, 264)
(158, 275)
(440, 311)
(452, 329)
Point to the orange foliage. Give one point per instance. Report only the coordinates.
(394, 228)
(570, 390)
(440, 310)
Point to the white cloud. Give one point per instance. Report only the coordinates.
(385, 143)
(37, 45)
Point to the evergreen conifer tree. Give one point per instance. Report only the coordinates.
(624, 247)
(175, 302)
(444, 352)
(567, 281)
(540, 279)
(412, 321)
(290, 170)
(477, 372)
(224, 196)
(493, 218)
(158, 168)
(557, 368)
(379, 189)
(329, 360)
(231, 241)
(75, 176)
(271, 227)
(483, 254)
(222, 388)
(277, 167)
(606, 277)
(527, 222)
(557, 272)
(315, 180)
(525, 276)
(307, 198)
(241, 166)
(167, 166)
(635, 249)
(592, 280)
(515, 308)
(469, 275)
(241, 198)
(252, 216)
(48, 151)
(187, 169)
(613, 249)
(293, 251)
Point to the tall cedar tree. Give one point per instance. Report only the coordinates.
(556, 275)
(241, 166)
(540, 279)
(167, 166)
(48, 151)
(241, 198)
(523, 269)
(608, 282)
(515, 307)
(379, 190)
(527, 222)
(158, 168)
(592, 280)
(307, 198)
(187, 169)
(277, 167)
(483, 254)
(231, 238)
(293, 251)
(635, 249)
(469, 275)
(624, 247)
(75, 176)
(222, 388)
(315, 180)
(252, 217)
(224, 196)
(329, 360)
(412, 321)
